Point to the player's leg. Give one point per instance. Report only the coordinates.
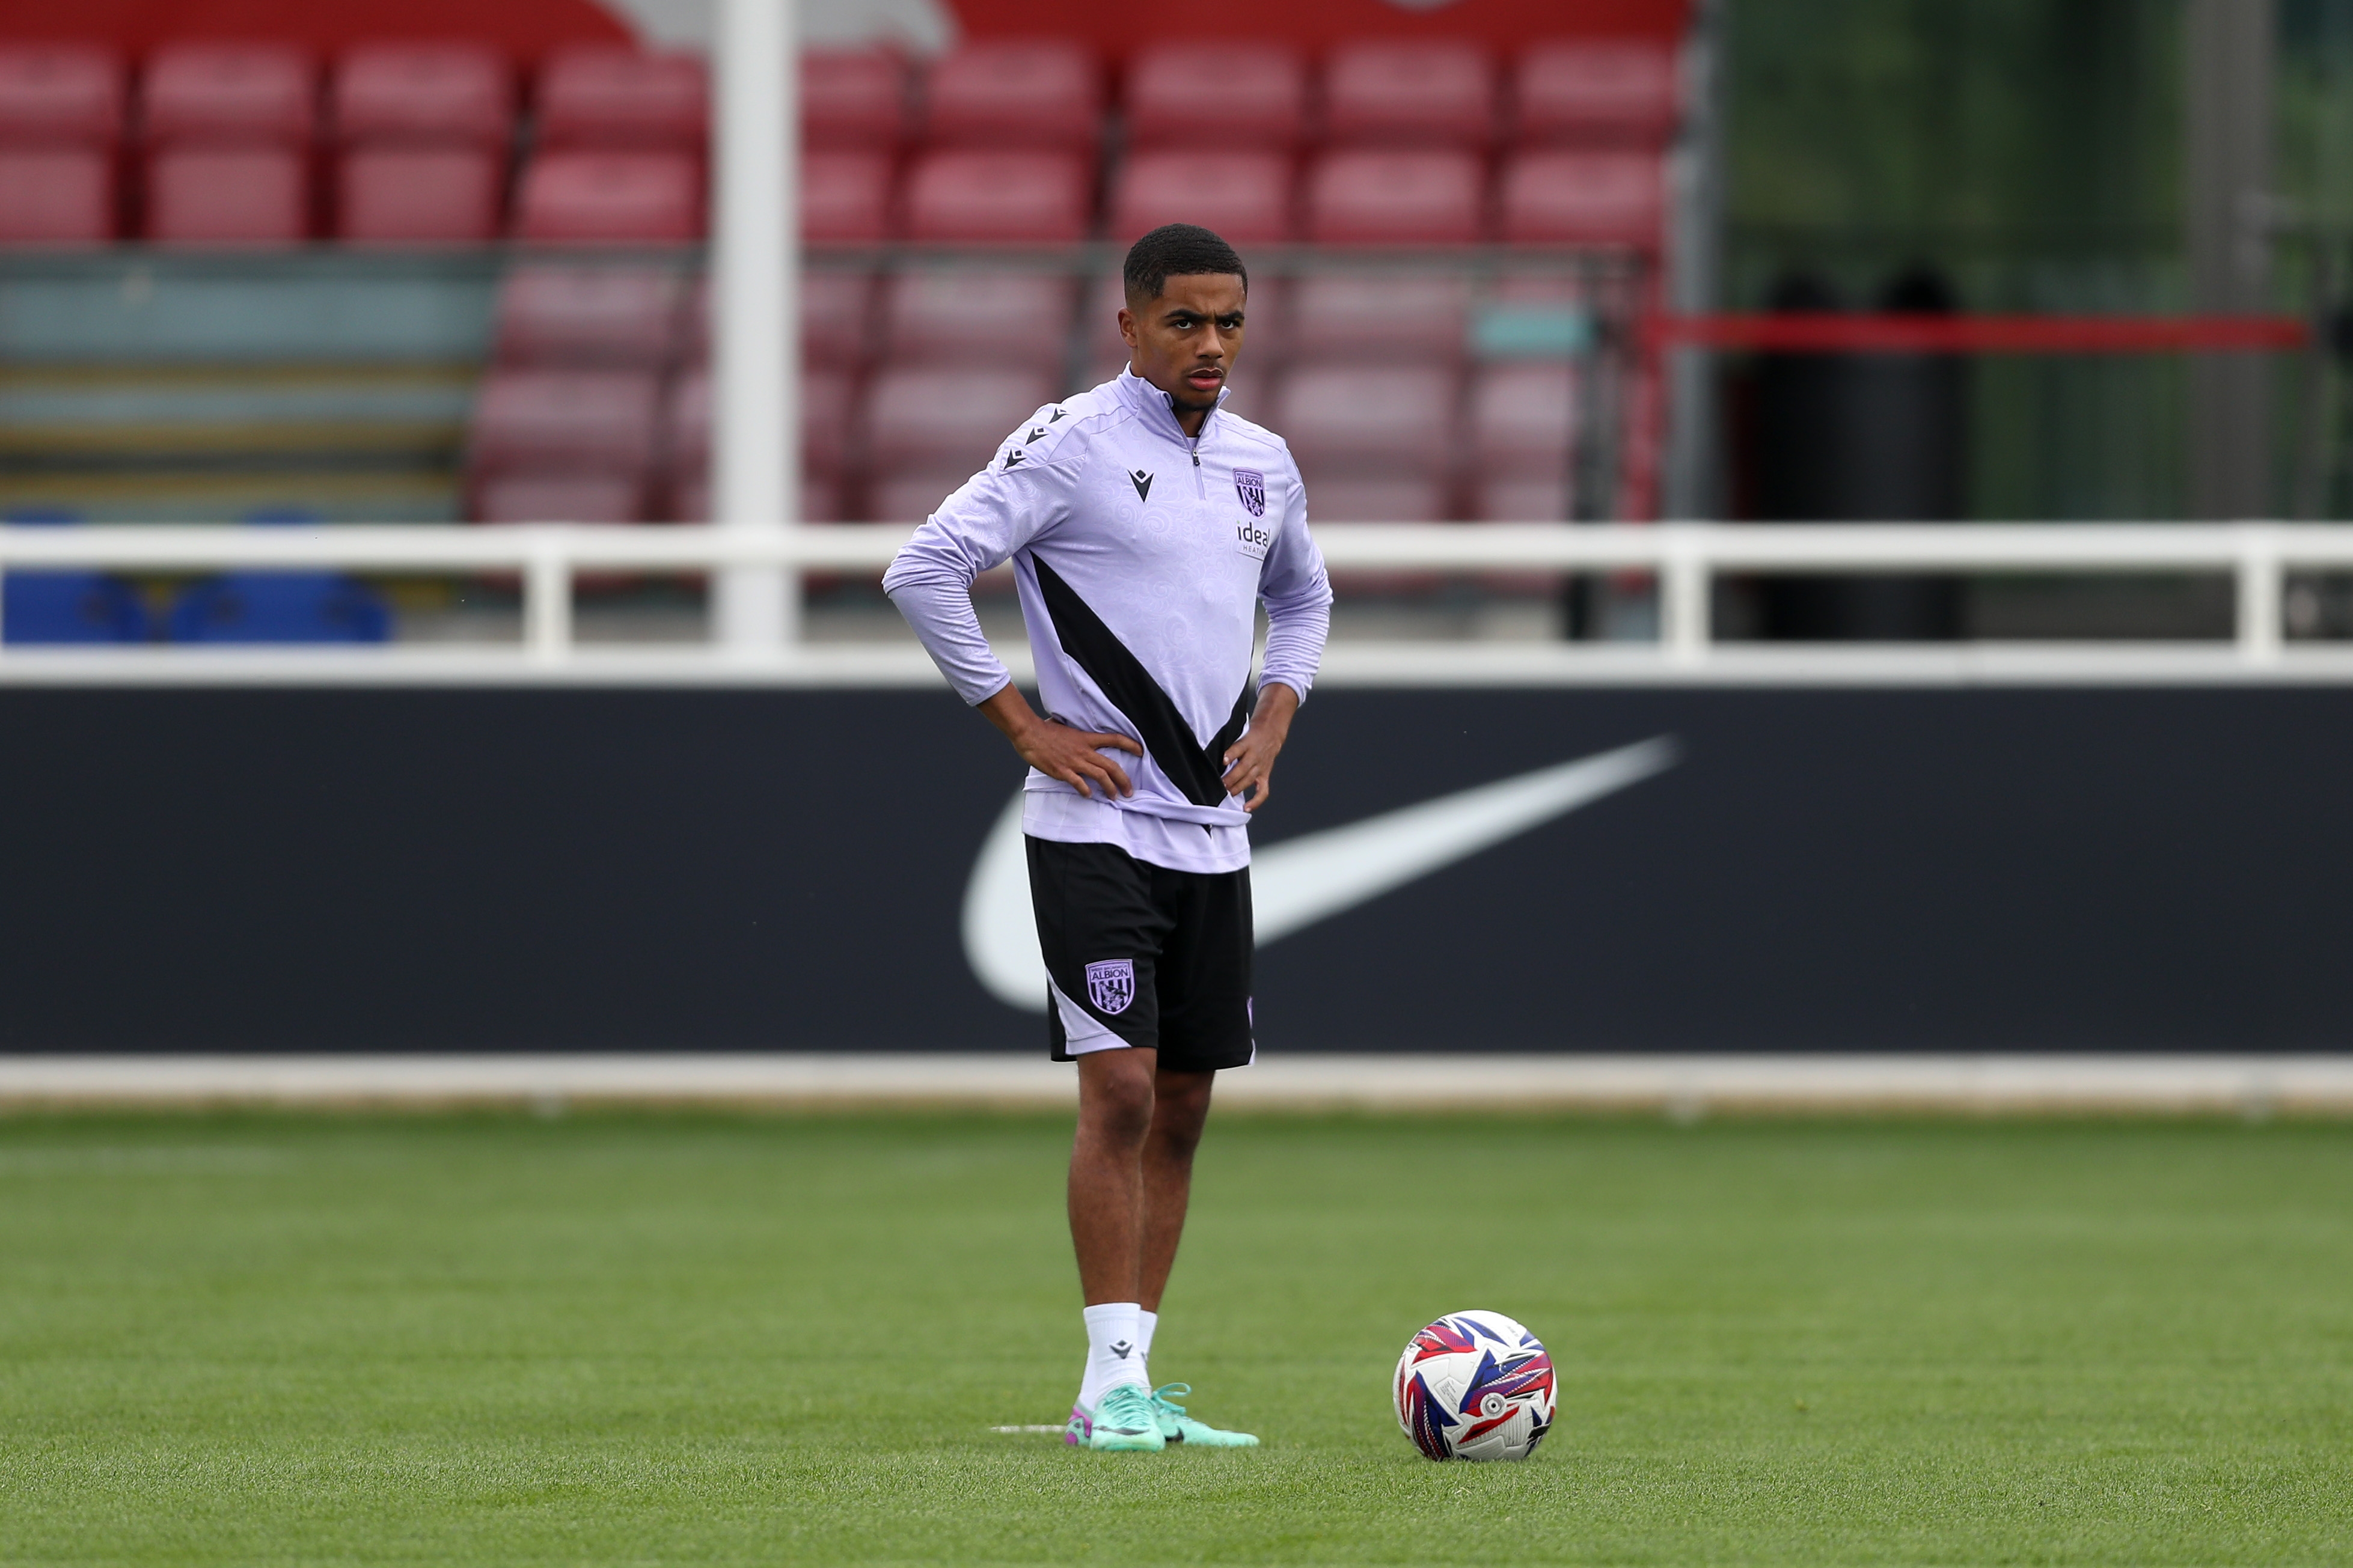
(1116, 1107)
(1203, 981)
(1180, 1109)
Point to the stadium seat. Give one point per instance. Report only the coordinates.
(540, 497)
(1040, 198)
(433, 95)
(1584, 198)
(1523, 419)
(418, 195)
(49, 607)
(1410, 93)
(947, 417)
(227, 196)
(1044, 93)
(1395, 198)
(1397, 422)
(1524, 500)
(836, 311)
(56, 195)
(611, 198)
(825, 425)
(821, 500)
(846, 198)
(59, 95)
(1379, 315)
(993, 318)
(1245, 196)
(281, 607)
(242, 94)
(600, 422)
(852, 101)
(589, 317)
(1201, 95)
(1595, 94)
(598, 95)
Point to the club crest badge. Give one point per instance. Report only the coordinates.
(1111, 985)
(1251, 484)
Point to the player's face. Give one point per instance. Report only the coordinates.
(1184, 341)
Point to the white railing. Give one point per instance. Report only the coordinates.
(1685, 558)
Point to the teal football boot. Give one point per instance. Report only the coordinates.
(1176, 1426)
(1125, 1421)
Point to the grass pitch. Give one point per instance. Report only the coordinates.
(675, 1339)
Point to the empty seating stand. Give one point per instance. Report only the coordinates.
(1015, 93)
(1596, 94)
(1366, 197)
(422, 132)
(1008, 198)
(929, 428)
(984, 317)
(1190, 97)
(1412, 93)
(1244, 196)
(56, 195)
(1603, 199)
(228, 130)
(534, 427)
(853, 100)
(846, 198)
(59, 95)
(611, 198)
(627, 318)
(607, 96)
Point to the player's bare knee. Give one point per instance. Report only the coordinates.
(1118, 1102)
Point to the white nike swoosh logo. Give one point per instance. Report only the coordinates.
(1300, 880)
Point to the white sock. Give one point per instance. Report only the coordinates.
(1115, 1350)
(1145, 1324)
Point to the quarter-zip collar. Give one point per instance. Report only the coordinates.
(1161, 409)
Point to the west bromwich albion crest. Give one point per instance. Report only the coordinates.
(1253, 486)
(1111, 985)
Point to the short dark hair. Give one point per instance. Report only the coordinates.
(1177, 251)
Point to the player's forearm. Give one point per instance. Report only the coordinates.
(1295, 635)
(942, 614)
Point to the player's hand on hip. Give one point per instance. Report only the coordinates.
(1249, 762)
(1076, 756)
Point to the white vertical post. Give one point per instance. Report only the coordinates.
(755, 326)
(2259, 596)
(1684, 584)
(546, 601)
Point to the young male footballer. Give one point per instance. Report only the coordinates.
(1146, 525)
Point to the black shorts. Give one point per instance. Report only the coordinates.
(1152, 956)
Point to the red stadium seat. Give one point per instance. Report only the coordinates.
(1413, 93)
(228, 195)
(991, 318)
(559, 497)
(820, 499)
(1395, 198)
(1015, 93)
(853, 100)
(1201, 95)
(239, 93)
(1596, 94)
(837, 309)
(1397, 422)
(1036, 198)
(837, 312)
(1523, 419)
(1379, 315)
(59, 95)
(58, 195)
(429, 94)
(419, 195)
(825, 424)
(571, 421)
(585, 317)
(1245, 196)
(611, 198)
(948, 418)
(1584, 198)
(846, 198)
(595, 95)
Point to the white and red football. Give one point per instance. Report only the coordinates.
(1476, 1385)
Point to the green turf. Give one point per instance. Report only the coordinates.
(648, 1339)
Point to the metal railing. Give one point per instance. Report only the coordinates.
(1685, 558)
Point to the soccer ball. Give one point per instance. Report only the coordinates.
(1475, 1385)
